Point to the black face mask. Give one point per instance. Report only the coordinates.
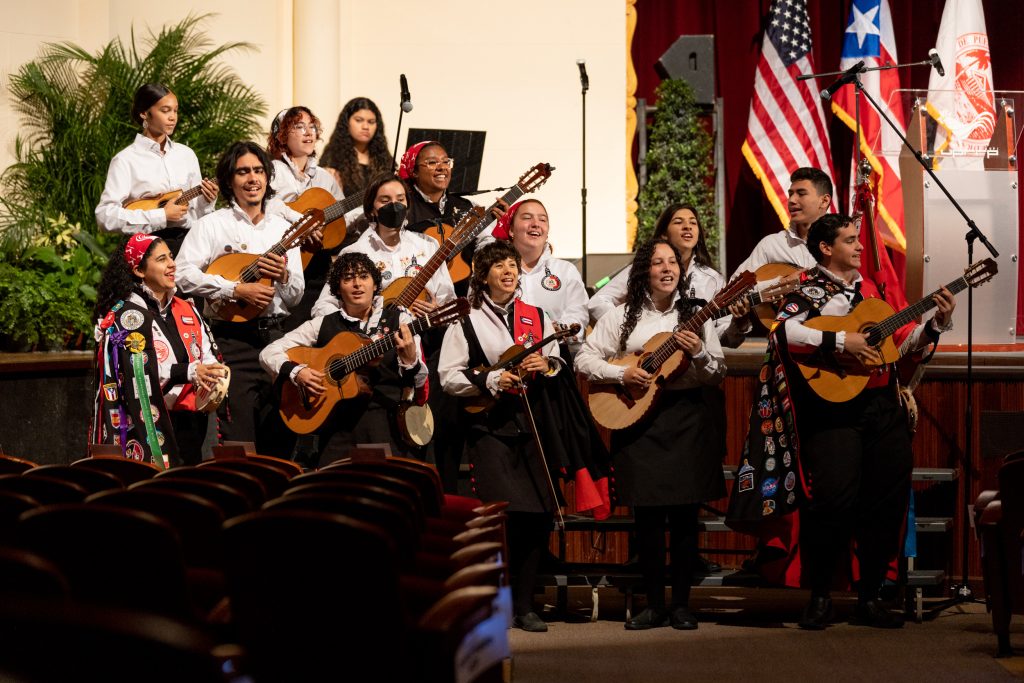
(392, 215)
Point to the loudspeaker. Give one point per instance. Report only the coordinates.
(466, 147)
(1002, 433)
(692, 59)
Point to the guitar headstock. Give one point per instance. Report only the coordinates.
(778, 291)
(535, 177)
(449, 312)
(562, 330)
(735, 289)
(981, 272)
(300, 229)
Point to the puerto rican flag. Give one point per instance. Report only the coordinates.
(869, 36)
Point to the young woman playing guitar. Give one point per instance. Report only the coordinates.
(671, 462)
(150, 338)
(153, 166)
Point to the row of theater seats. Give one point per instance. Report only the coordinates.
(363, 570)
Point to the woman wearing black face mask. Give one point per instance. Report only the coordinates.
(395, 251)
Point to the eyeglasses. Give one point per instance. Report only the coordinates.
(304, 128)
(246, 170)
(433, 163)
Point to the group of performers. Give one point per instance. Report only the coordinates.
(845, 465)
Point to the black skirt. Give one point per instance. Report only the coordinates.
(508, 468)
(674, 457)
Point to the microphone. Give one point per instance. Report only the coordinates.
(584, 81)
(933, 55)
(848, 77)
(406, 97)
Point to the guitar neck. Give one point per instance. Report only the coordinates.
(339, 209)
(754, 299)
(373, 350)
(510, 198)
(887, 327)
(188, 195)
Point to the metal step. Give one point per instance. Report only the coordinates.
(919, 474)
(625, 523)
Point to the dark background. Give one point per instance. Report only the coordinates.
(737, 24)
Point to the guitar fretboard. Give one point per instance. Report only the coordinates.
(296, 231)
(340, 367)
(663, 352)
(340, 208)
(188, 195)
(894, 322)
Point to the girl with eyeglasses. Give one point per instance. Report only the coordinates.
(292, 145)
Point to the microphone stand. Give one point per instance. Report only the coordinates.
(583, 186)
(962, 592)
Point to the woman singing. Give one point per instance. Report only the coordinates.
(499, 443)
(155, 352)
(151, 166)
(670, 462)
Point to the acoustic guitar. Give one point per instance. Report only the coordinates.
(340, 361)
(242, 268)
(512, 357)
(334, 216)
(765, 310)
(469, 226)
(180, 197)
(615, 406)
(840, 377)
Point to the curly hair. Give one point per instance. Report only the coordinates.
(226, 170)
(340, 151)
(118, 280)
(638, 289)
(352, 263)
(277, 141)
(483, 259)
(700, 250)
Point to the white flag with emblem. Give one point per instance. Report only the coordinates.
(962, 101)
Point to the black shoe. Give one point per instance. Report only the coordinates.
(682, 618)
(873, 613)
(703, 566)
(530, 622)
(652, 617)
(817, 614)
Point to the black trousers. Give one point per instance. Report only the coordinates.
(189, 433)
(858, 458)
(252, 407)
(651, 523)
(528, 534)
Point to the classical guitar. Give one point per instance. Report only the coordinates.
(615, 406)
(512, 356)
(243, 268)
(340, 361)
(839, 377)
(453, 240)
(768, 297)
(334, 216)
(181, 197)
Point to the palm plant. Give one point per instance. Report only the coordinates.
(75, 110)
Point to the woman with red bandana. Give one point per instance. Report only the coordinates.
(155, 353)
(427, 169)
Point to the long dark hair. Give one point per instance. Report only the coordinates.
(118, 280)
(638, 288)
(700, 250)
(145, 97)
(277, 141)
(340, 152)
(483, 259)
(226, 169)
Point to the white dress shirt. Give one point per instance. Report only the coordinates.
(230, 230)
(140, 170)
(706, 367)
(289, 183)
(405, 259)
(784, 246)
(556, 287)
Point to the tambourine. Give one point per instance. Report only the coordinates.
(207, 401)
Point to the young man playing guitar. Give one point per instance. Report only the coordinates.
(244, 173)
(356, 283)
(852, 460)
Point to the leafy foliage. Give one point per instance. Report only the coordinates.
(680, 166)
(75, 110)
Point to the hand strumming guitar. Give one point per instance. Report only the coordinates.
(311, 380)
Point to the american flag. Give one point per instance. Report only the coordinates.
(786, 127)
(869, 37)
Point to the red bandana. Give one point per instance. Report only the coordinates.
(407, 168)
(136, 248)
(501, 228)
